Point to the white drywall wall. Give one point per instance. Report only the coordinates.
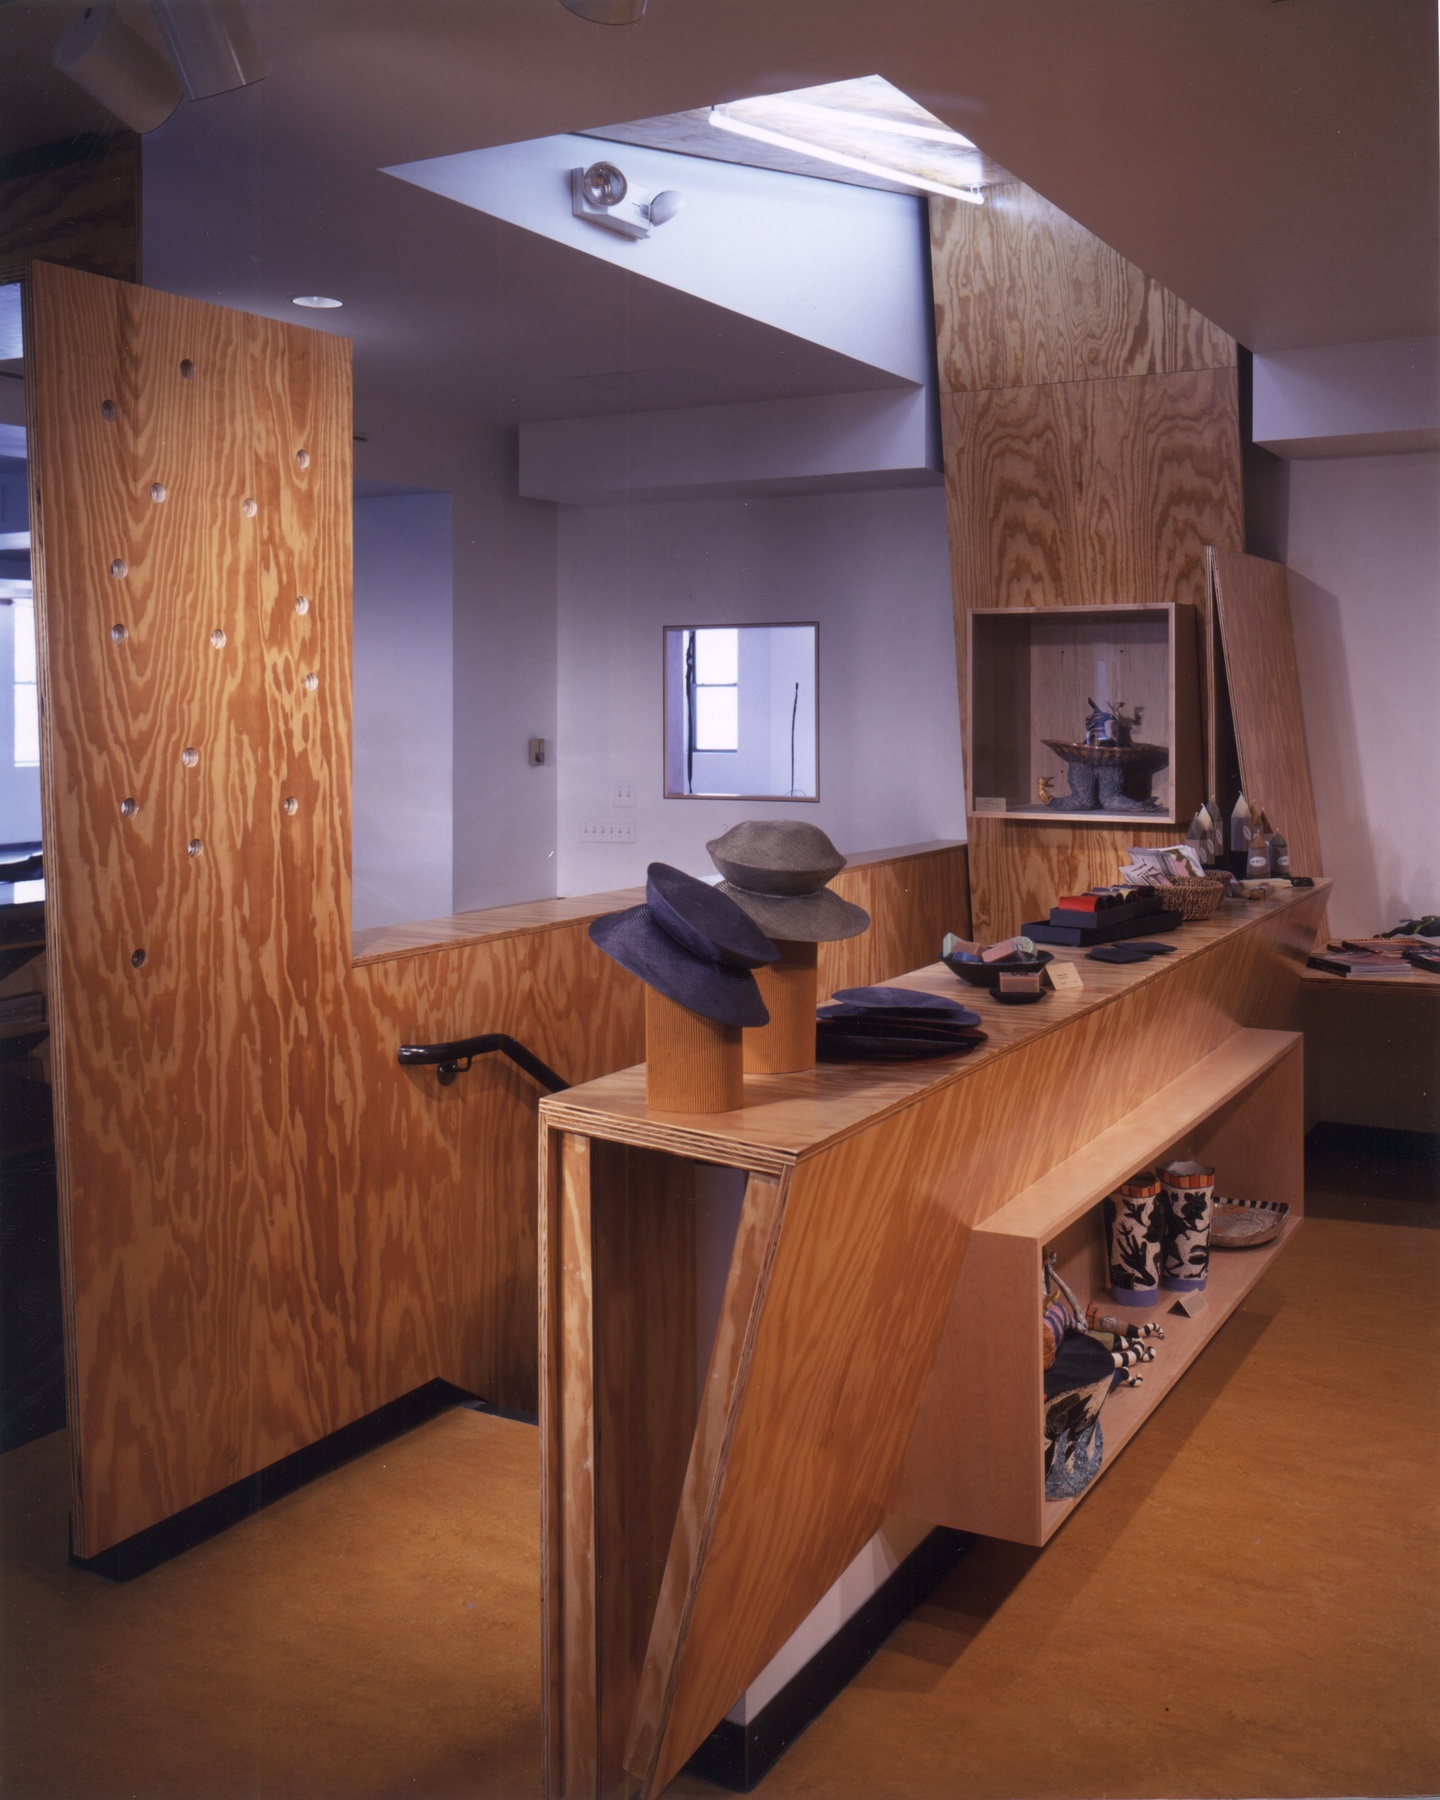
(1363, 545)
(1348, 399)
(841, 266)
(404, 623)
(825, 442)
(871, 568)
(501, 658)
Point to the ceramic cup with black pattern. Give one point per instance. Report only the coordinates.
(1188, 1193)
(1134, 1217)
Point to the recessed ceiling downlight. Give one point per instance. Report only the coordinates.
(321, 302)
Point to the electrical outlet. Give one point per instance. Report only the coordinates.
(624, 794)
(612, 831)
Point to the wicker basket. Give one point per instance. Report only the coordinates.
(1196, 897)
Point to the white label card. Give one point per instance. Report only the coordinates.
(990, 803)
(1064, 977)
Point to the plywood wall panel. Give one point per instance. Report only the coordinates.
(912, 901)
(1024, 295)
(270, 1228)
(1095, 493)
(1253, 600)
(1090, 422)
(80, 210)
(198, 1211)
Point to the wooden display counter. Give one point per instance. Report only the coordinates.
(689, 1526)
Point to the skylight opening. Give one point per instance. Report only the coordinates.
(866, 131)
(725, 119)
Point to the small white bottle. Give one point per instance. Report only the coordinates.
(1242, 823)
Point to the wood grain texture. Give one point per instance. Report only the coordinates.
(419, 937)
(643, 1223)
(876, 1221)
(787, 987)
(1089, 494)
(201, 1177)
(551, 1250)
(788, 1117)
(1253, 614)
(731, 1353)
(269, 1228)
(913, 900)
(974, 1459)
(1091, 434)
(580, 1525)
(84, 214)
(1096, 493)
(1024, 295)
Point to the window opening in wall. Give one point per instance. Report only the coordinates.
(26, 701)
(741, 712)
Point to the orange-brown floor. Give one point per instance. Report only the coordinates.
(1245, 1605)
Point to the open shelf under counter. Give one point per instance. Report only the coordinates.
(1233, 1273)
(976, 1458)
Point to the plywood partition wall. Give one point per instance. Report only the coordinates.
(269, 1228)
(1252, 599)
(1091, 437)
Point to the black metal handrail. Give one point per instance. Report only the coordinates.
(450, 1060)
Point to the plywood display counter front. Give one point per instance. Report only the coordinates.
(684, 1539)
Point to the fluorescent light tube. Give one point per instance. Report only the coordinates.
(860, 164)
(937, 134)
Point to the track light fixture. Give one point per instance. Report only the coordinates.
(209, 41)
(607, 12)
(115, 66)
(211, 45)
(602, 195)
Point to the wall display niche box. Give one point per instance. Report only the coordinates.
(1038, 674)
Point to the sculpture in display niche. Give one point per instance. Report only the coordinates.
(1109, 772)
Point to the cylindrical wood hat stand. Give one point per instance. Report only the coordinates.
(692, 1064)
(788, 988)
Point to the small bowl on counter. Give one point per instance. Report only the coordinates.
(987, 975)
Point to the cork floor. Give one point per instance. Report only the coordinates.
(1245, 1605)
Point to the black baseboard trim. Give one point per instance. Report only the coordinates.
(738, 1757)
(147, 1549)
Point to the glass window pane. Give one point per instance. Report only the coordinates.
(717, 718)
(717, 655)
(24, 616)
(27, 727)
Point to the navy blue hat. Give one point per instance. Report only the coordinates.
(692, 944)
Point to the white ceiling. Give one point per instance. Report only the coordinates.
(1273, 161)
